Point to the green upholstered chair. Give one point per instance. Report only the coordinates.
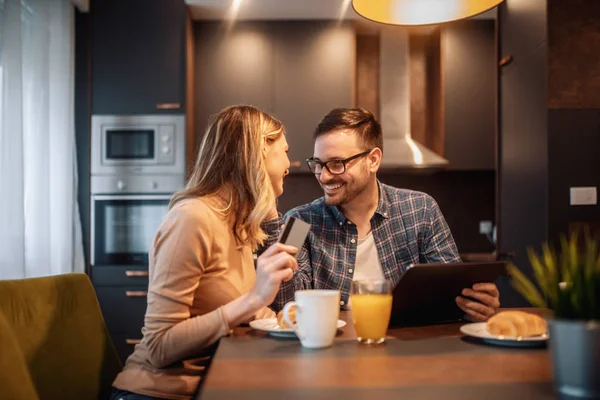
(61, 333)
(15, 380)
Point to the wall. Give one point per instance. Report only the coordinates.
(573, 144)
(465, 198)
(573, 56)
(574, 115)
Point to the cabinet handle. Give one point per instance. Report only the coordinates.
(295, 164)
(136, 293)
(133, 341)
(136, 273)
(505, 61)
(168, 106)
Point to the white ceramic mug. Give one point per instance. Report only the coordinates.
(317, 313)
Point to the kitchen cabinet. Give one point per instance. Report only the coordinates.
(296, 70)
(523, 135)
(314, 73)
(523, 26)
(122, 294)
(469, 94)
(232, 68)
(138, 56)
(127, 305)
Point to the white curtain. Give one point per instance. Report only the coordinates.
(40, 229)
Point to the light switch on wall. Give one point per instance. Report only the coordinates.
(583, 196)
(485, 227)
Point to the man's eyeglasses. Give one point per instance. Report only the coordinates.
(335, 167)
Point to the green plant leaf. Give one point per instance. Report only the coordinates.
(565, 259)
(539, 271)
(550, 262)
(567, 281)
(573, 255)
(525, 287)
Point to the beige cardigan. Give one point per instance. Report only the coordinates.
(196, 267)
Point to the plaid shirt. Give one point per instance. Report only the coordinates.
(408, 227)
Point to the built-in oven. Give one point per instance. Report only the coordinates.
(123, 227)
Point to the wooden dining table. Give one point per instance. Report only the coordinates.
(425, 362)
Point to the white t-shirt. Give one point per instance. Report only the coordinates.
(367, 264)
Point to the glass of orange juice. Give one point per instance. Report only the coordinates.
(371, 309)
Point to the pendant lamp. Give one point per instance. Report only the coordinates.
(421, 12)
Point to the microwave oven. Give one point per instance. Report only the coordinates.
(137, 144)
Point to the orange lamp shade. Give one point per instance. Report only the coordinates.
(421, 12)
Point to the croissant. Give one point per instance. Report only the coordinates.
(292, 314)
(516, 324)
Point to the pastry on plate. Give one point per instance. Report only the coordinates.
(516, 324)
(281, 322)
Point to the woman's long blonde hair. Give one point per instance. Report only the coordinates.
(231, 156)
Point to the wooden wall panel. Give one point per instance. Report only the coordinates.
(426, 105)
(367, 73)
(573, 54)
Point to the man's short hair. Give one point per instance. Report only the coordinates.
(357, 119)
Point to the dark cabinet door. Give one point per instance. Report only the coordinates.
(297, 70)
(470, 93)
(125, 344)
(313, 73)
(233, 67)
(138, 56)
(123, 307)
(523, 135)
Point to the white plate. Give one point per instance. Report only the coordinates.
(270, 325)
(478, 330)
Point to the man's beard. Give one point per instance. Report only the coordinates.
(351, 191)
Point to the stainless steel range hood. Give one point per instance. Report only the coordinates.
(400, 151)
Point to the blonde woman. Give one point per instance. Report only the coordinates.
(202, 276)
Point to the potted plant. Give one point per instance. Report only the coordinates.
(568, 283)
